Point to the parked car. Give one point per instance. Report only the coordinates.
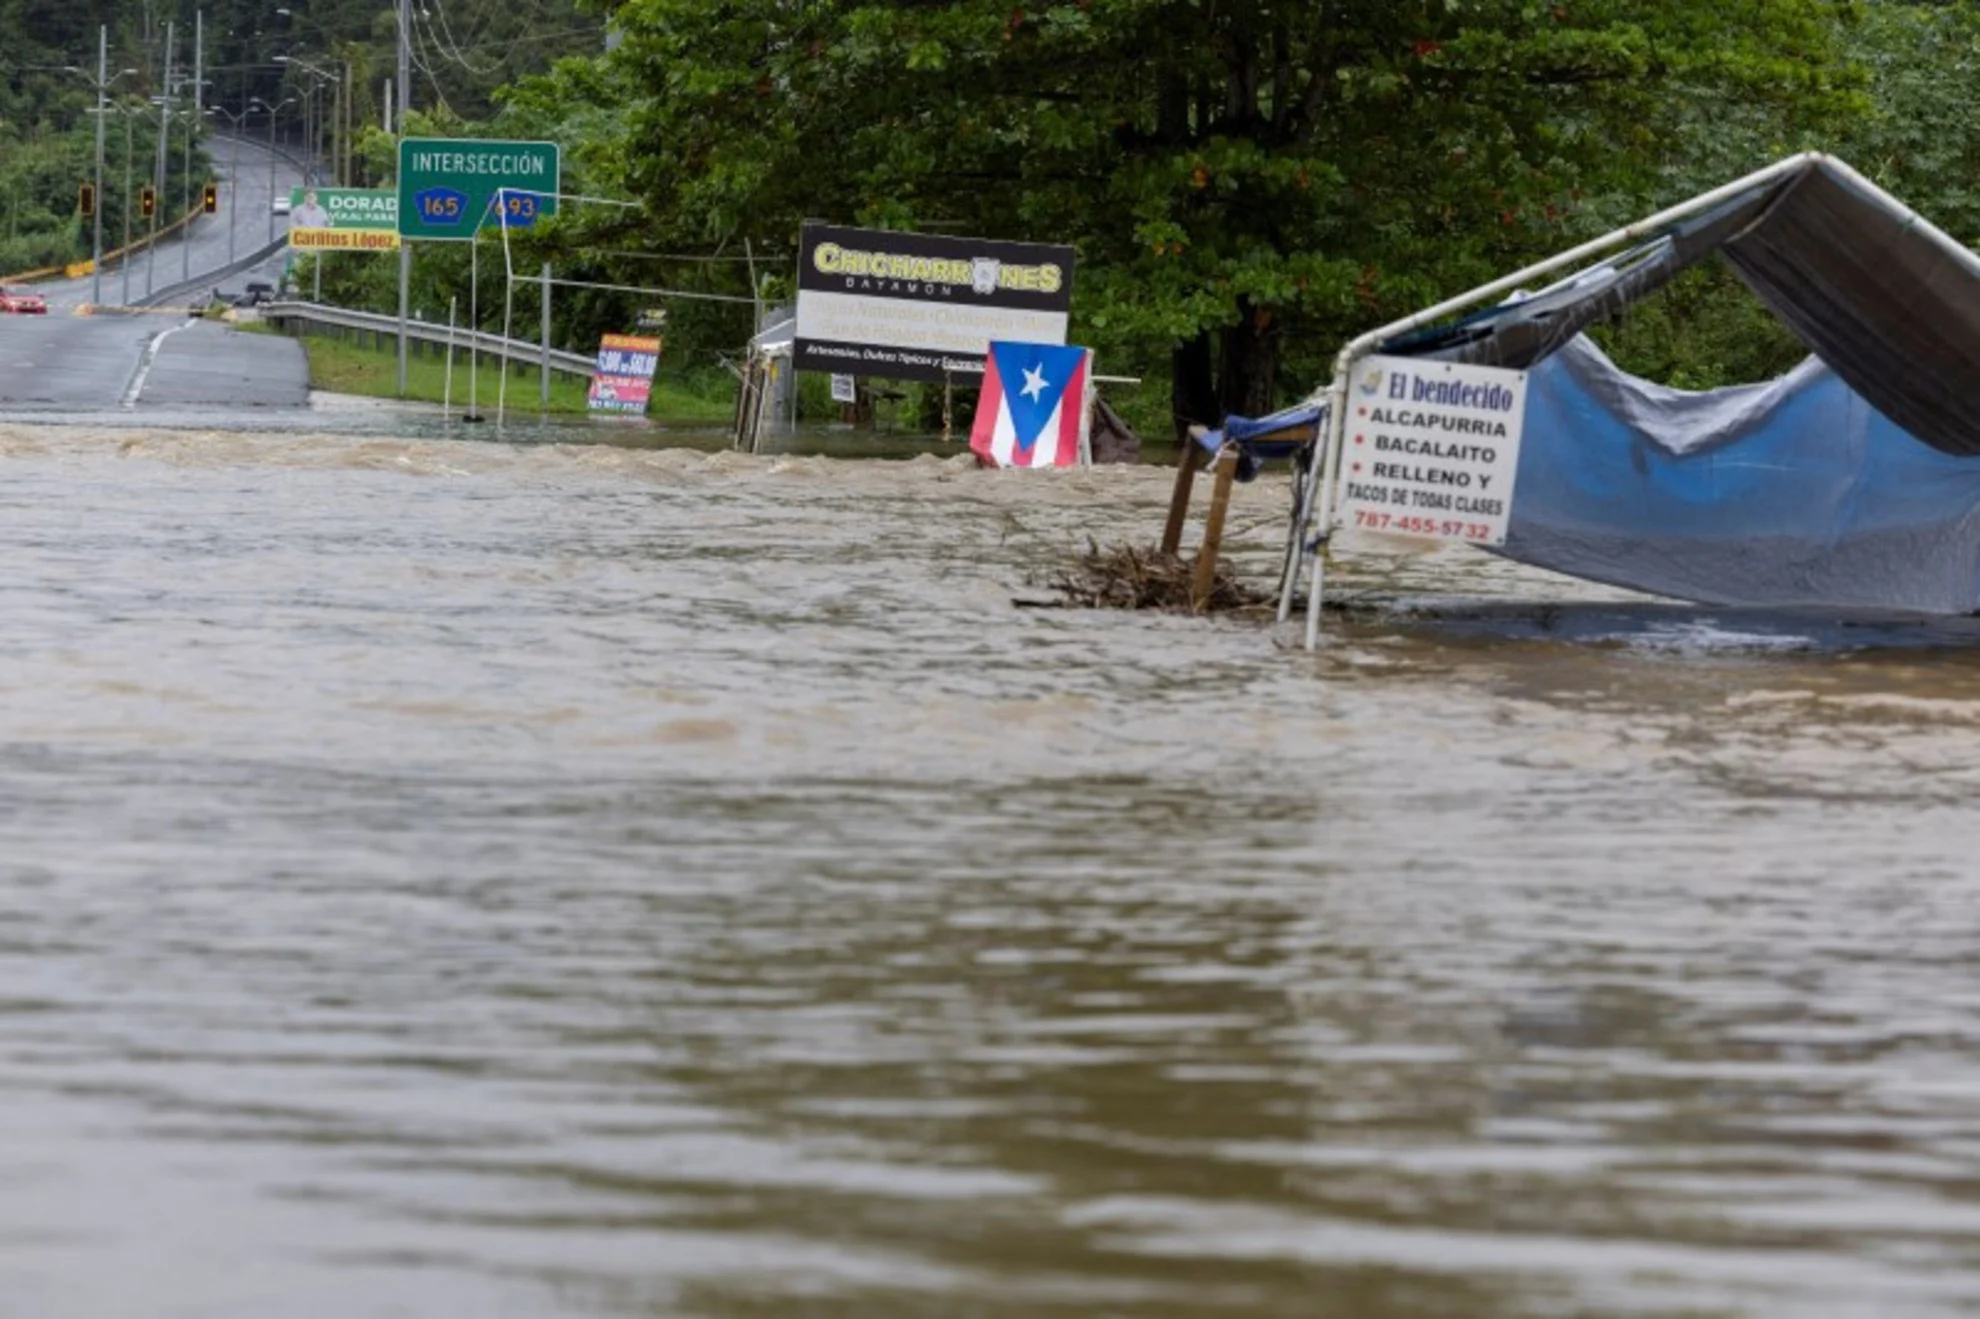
(256, 293)
(21, 300)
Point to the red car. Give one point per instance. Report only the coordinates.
(24, 301)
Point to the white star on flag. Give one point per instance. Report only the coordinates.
(1034, 382)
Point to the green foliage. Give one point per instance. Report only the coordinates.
(254, 55)
(1254, 178)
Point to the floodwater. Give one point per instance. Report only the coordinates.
(446, 878)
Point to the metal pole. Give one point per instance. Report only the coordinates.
(508, 337)
(271, 172)
(474, 327)
(447, 391)
(125, 260)
(543, 376)
(233, 192)
(96, 226)
(192, 126)
(404, 103)
(158, 188)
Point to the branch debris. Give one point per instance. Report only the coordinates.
(1127, 577)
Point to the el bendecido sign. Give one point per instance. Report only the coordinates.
(448, 187)
(1432, 448)
(922, 307)
(344, 219)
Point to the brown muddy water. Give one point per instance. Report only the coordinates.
(458, 879)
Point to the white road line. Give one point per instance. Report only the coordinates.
(136, 388)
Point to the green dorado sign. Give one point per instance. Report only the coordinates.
(449, 187)
(343, 219)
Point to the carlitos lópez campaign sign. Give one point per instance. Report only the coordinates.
(921, 307)
(1431, 449)
(344, 219)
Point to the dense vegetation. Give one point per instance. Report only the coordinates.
(1247, 181)
(256, 55)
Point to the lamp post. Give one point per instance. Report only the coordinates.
(158, 184)
(312, 105)
(192, 126)
(273, 110)
(128, 113)
(233, 170)
(102, 82)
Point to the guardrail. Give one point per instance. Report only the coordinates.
(299, 317)
(206, 280)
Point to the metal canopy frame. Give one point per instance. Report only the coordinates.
(1314, 511)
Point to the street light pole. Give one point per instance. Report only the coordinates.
(96, 227)
(192, 124)
(233, 173)
(125, 262)
(405, 244)
(158, 190)
(271, 171)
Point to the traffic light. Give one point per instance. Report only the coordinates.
(209, 199)
(86, 200)
(147, 203)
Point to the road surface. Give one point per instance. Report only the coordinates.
(251, 177)
(115, 360)
(159, 360)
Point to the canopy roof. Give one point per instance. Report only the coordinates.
(1884, 298)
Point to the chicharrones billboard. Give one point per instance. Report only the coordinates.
(923, 307)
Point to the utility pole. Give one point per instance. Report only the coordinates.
(273, 110)
(405, 245)
(96, 221)
(192, 125)
(125, 262)
(164, 120)
(234, 189)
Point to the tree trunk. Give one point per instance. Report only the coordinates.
(1249, 376)
(1192, 386)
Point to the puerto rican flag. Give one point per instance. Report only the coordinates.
(1032, 412)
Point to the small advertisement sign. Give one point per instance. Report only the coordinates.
(343, 220)
(1431, 449)
(844, 390)
(622, 377)
(903, 306)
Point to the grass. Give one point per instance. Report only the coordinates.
(345, 368)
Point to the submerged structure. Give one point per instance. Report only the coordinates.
(1851, 482)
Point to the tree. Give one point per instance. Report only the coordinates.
(1247, 181)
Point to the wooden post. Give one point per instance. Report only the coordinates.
(1186, 465)
(1205, 578)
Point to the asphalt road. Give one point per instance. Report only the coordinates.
(144, 361)
(251, 177)
(110, 360)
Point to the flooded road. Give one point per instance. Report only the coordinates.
(465, 879)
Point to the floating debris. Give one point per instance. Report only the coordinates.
(1127, 577)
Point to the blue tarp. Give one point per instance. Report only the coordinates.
(1262, 439)
(1793, 492)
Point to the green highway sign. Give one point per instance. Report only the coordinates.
(448, 187)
